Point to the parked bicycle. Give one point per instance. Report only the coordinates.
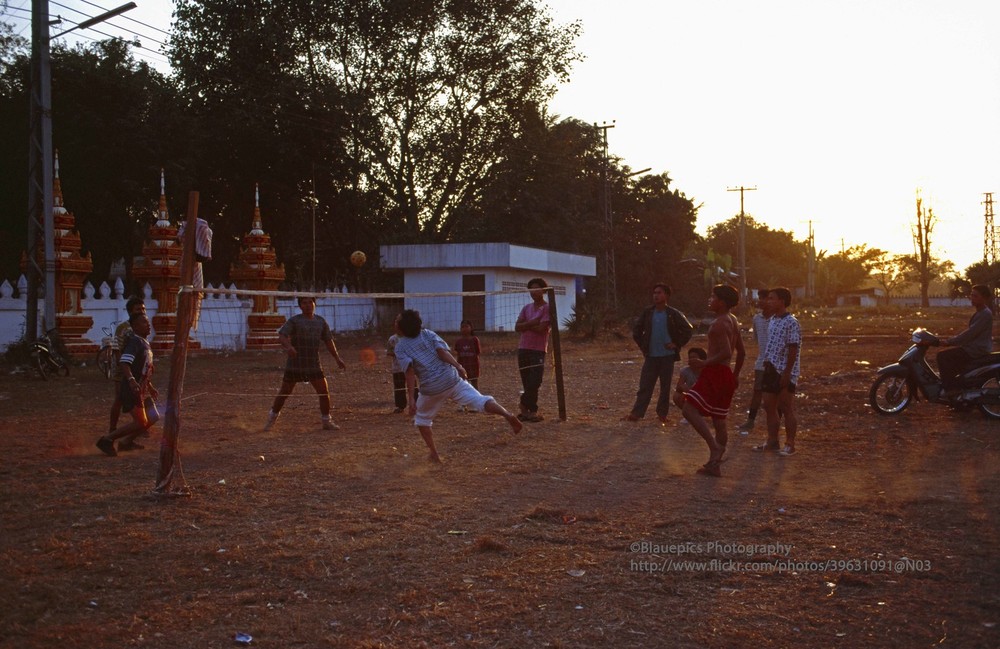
(107, 357)
(45, 357)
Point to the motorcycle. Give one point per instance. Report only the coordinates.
(898, 385)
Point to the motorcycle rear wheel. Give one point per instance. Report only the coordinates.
(890, 395)
(991, 406)
(43, 364)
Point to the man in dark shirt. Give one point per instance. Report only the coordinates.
(976, 341)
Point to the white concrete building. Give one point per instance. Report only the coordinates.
(490, 268)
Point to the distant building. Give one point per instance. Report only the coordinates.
(486, 267)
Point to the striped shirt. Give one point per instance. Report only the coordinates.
(434, 374)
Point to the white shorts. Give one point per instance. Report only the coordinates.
(461, 393)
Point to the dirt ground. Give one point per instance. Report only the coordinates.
(593, 532)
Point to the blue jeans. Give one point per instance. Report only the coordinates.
(531, 364)
(654, 368)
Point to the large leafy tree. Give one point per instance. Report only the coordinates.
(545, 191)
(410, 103)
(654, 225)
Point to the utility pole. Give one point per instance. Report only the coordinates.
(811, 264)
(989, 233)
(40, 218)
(610, 285)
(741, 248)
(40, 174)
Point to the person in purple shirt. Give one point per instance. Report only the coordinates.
(533, 324)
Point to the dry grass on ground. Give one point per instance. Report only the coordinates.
(306, 538)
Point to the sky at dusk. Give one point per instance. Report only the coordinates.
(837, 111)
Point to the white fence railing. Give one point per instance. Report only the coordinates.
(223, 323)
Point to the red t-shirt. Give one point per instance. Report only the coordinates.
(467, 353)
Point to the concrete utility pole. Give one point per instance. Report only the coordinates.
(741, 249)
(40, 174)
(40, 165)
(610, 285)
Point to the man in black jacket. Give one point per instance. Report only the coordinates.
(660, 332)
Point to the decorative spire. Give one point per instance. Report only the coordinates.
(163, 217)
(257, 228)
(57, 197)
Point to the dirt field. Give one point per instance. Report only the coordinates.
(880, 532)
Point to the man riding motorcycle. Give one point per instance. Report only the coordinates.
(973, 343)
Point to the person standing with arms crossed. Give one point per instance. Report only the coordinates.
(533, 324)
(660, 332)
(712, 393)
(300, 337)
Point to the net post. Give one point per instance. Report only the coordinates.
(557, 353)
(169, 475)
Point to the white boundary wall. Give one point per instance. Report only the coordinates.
(223, 323)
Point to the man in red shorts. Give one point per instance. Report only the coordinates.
(713, 392)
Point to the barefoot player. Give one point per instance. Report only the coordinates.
(713, 392)
(424, 356)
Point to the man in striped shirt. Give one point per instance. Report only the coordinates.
(423, 355)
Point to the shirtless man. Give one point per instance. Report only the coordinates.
(713, 392)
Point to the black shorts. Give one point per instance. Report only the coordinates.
(303, 376)
(771, 383)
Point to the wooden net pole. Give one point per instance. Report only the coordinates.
(557, 354)
(170, 476)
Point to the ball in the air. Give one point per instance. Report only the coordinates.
(358, 258)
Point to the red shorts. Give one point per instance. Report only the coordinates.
(713, 391)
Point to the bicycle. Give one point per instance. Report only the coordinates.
(107, 356)
(45, 357)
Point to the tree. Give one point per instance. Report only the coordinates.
(424, 94)
(116, 121)
(774, 257)
(922, 267)
(654, 224)
(842, 272)
(888, 270)
(545, 192)
(984, 273)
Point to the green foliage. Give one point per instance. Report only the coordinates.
(773, 257)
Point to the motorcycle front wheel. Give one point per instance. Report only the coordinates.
(890, 395)
(989, 404)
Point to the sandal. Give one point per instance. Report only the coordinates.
(767, 446)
